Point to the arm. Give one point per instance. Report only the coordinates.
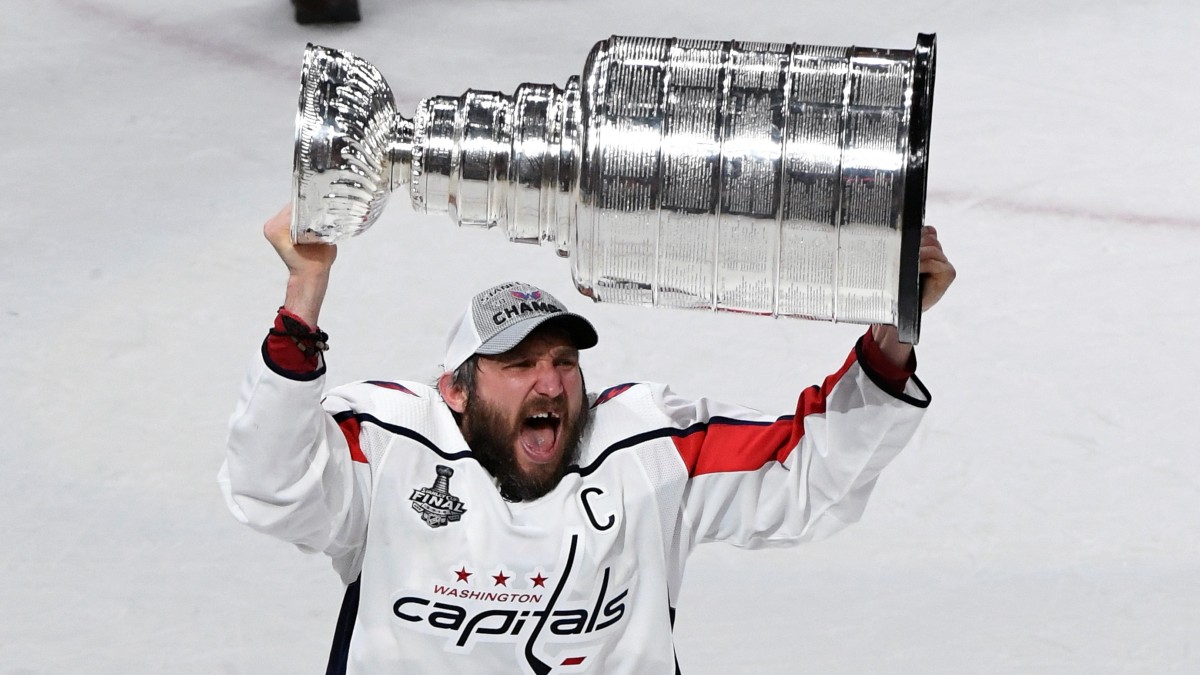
(756, 481)
(308, 267)
(289, 469)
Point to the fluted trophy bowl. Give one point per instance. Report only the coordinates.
(346, 123)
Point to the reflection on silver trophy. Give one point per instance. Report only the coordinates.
(774, 179)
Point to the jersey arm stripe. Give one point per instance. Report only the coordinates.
(647, 436)
(351, 429)
(724, 445)
(721, 446)
(366, 418)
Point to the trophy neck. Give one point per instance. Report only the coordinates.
(400, 150)
(488, 159)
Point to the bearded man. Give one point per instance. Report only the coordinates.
(506, 521)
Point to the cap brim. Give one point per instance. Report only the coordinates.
(580, 330)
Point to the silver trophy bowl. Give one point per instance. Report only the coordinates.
(346, 123)
(763, 178)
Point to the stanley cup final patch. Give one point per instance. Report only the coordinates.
(435, 503)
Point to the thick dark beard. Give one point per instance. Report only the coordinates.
(494, 446)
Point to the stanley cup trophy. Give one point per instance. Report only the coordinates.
(773, 179)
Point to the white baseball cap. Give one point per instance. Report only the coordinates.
(496, 320)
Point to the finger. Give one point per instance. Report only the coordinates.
(934, 287)
(937, 268)
(936, 280)
(278, 225)
(931, 253)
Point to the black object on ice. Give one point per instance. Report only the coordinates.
(326, 11)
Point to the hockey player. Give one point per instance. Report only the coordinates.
(506, 521)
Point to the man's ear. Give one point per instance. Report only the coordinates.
(455, 397)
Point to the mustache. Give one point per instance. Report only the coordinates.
(491, 437)
(545, 404)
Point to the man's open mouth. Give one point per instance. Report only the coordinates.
(539, 436)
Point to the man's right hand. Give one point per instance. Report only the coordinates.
(308, 267)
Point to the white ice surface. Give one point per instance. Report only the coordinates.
(1046, 519)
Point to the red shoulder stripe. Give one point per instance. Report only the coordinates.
(611, 392)
(350, 429)
(724, 444)
(391, 385)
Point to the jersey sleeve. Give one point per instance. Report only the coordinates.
(293, 466)
(756, 481)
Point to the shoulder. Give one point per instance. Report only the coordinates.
(371, 390)
(396, 411)
(636, 398)
(657, 404)
(627, 415)
(394, 401)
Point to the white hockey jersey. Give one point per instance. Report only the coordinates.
(452, 578)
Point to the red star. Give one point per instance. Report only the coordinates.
(539, 580)
(501, 580)
(463, 574)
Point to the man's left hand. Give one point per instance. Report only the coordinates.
(936, 271)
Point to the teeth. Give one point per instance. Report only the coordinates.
(545, 415)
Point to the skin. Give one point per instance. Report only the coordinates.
(308, 267)
(937, 274)
(539, 375)
(542, 373)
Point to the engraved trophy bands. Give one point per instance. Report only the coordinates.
(774, 179)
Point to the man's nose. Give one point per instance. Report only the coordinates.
(549, 380)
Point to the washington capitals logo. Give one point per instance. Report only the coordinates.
(435, 504)
(535, 294)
